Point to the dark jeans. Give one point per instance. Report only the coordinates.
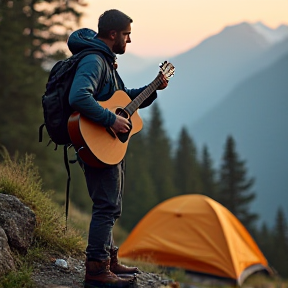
(105, 187)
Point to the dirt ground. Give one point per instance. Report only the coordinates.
(50, 275)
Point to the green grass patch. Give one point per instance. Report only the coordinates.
(19, 177)
(148, 266)
(262, 281)
(20, 278)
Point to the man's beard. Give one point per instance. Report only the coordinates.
(118, 48)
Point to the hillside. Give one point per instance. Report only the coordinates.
(36, 251)
(255, 114)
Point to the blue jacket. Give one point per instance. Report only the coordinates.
(96, 78)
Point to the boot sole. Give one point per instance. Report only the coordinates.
(106, 285)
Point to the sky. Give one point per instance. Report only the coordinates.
(171, 27)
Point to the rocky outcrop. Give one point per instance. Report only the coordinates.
(6, 259)
(17, 224)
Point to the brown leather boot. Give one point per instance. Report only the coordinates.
(118, 268)
(98, 274)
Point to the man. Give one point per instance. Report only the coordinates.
(97, 79)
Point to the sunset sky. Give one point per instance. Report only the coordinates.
(169, 27)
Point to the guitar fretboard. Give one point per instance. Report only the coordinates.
(135, 104)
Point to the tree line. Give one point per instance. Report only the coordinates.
(156, 169)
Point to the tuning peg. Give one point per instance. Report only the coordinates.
(162, 64)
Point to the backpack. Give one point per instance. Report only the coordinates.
(55, 101)
(56, 108)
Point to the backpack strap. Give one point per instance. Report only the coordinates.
(41, 132)
(89, 51)
(66, 147)
(67, 161)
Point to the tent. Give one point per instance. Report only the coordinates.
(195, 233)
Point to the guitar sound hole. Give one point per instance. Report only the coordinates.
(122, 112)
(123, 137)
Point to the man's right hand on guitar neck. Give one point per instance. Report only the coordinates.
(121, 125)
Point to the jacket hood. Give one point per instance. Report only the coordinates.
(87, 38)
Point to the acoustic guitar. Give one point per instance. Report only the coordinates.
(98, 146)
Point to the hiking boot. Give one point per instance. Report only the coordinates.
(118, 268)
(98, 275)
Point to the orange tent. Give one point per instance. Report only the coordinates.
(195, 233)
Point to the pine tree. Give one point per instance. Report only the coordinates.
(26, 33)
(140, 194)
(264, 239)
(234, 186)
(49, 22)
(159, 155)
(207, 174)
(186, 167)
(22, 80)
(280, 248)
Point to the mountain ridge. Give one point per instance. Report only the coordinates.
(204, 74)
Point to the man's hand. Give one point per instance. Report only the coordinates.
(121, 125)
(164, 83)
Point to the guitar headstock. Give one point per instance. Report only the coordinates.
(167, 69)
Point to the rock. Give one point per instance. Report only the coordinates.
(61, 263)
(18, 222)
(6, 259)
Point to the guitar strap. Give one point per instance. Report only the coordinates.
(115, 79)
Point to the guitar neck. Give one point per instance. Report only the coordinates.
(135, 104)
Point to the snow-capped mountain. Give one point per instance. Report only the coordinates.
(271, 35)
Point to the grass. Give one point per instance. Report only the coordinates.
(19, 278)
(179, 275)
(262, 281)
(148, 266)
(19, 177)
(253, 281)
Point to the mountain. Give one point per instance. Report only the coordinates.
(271, 35)
(207, 73)
(255, 114)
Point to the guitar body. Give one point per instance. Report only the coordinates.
(98, 146)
